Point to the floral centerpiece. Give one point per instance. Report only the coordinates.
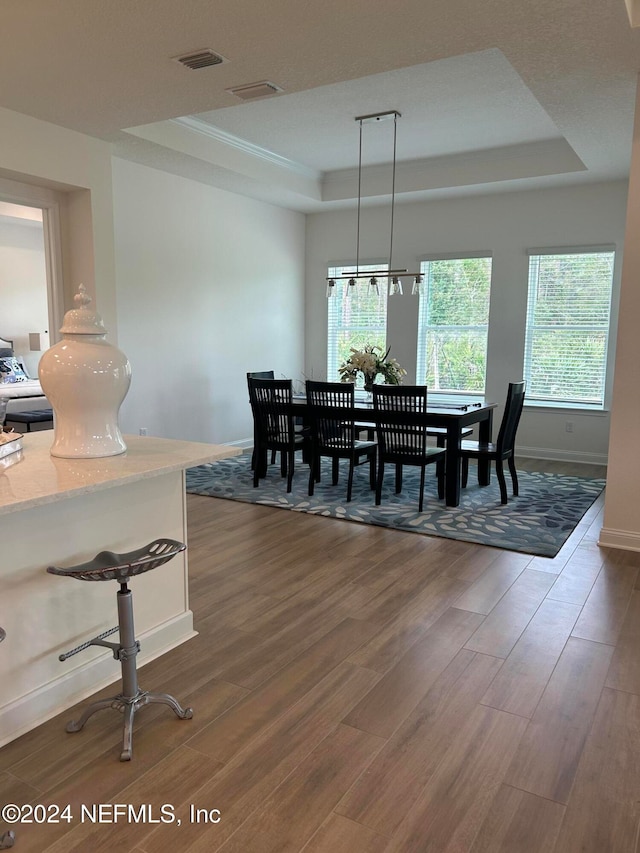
(371, 364)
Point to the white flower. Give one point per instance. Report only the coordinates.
(368, 362)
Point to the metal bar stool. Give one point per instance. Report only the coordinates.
(121, 567)
(7, 838)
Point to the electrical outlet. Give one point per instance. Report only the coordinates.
(143, 430)
(568, 426)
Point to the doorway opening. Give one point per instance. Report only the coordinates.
(30, 270)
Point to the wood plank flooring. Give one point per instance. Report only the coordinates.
(365, 690)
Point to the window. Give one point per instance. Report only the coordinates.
(568, 313)
(453, 319)
(355, 320)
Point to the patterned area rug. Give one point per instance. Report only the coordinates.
(537, 522)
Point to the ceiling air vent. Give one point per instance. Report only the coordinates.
(200, 59)
(255, 90)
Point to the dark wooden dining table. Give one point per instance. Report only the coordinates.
(454, 418)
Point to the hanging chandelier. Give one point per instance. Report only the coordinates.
(392, 277)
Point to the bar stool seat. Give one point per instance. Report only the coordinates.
(7, 838)
(107, 565)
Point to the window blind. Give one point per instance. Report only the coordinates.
(453, 320)
(355, 320)
(567, 334)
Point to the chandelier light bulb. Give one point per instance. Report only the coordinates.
(396, 287)
(374, 285)
(331, 287)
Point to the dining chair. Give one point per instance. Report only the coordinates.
(402, 438)
(504, 446)
(258, 374)
(272, 403)
(334, 433)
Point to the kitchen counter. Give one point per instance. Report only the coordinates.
(62, 512)
(36, 477)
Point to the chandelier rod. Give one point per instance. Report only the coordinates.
(383, 273)
(393, 186)
(359, 197)
(394, 274)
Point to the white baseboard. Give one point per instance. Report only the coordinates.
(562, 455)
(624, 540)
(84, 679)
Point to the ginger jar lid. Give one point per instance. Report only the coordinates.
(81, 320)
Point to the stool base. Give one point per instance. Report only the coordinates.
(7, 840)
(129, 705)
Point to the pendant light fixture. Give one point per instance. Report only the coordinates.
(393, 277)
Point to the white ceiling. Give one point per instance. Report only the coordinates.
(448, 106)
(493, 95)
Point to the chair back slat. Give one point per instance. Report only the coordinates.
(511, 418)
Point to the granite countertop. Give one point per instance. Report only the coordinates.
(32, 477)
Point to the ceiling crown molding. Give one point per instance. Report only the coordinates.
(198, 126)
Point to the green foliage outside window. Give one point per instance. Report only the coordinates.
(453, 323)
(567, 326)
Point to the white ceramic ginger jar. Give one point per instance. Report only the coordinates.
(85, 379)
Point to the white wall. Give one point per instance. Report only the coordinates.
(23, 286)
(622, 517)
(210, 285)
(507, 225)
(79, 169)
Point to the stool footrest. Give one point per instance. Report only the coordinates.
(96, 641)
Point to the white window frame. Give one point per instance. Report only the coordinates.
(423, 324)
(333, 329)
(603, 326)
